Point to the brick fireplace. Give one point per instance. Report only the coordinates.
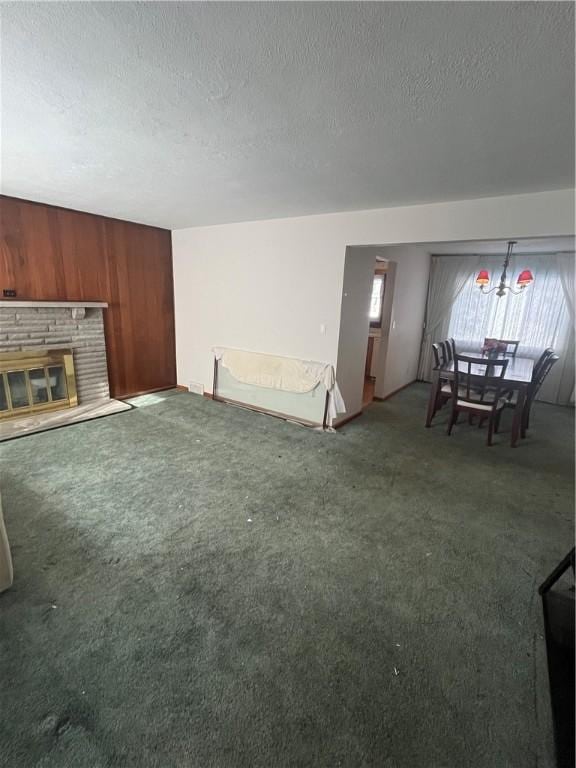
(43, 331)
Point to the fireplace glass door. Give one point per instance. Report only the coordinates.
(36, 382)
(38, 385)
(18, 389)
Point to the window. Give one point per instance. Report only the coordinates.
(376, 301)
(538, 317)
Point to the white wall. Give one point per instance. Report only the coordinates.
(354, 325)
(398, 346)
(266, 287)
(398, 362)
(270, 286)
(380, 366)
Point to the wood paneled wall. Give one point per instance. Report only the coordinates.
(57, 254)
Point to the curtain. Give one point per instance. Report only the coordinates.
(566, 268)
(448, 276)
(539, 317)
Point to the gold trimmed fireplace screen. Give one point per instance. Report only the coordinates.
(32, 382)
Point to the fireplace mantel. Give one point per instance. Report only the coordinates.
(53, 304)
(77, 308)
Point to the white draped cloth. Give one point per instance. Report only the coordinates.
(285, 373)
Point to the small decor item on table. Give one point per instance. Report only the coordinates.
(493, 347)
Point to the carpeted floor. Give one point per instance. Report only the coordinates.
(199, 586)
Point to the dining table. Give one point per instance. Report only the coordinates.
(517, 378)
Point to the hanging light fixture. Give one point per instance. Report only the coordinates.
(524, 278)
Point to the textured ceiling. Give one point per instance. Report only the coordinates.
(183, 114)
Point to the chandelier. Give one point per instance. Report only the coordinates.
(524, 278)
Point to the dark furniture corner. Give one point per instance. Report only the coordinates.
(557, 594)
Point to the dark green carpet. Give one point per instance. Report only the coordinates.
(201, 586)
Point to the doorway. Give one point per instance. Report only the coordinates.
(365, 319)
(375, 314)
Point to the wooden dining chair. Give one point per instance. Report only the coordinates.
(444, 384)
(480, 390)
(447, 349)
(548, 352)
(542, 368)
(511, 347)
(537, 381)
